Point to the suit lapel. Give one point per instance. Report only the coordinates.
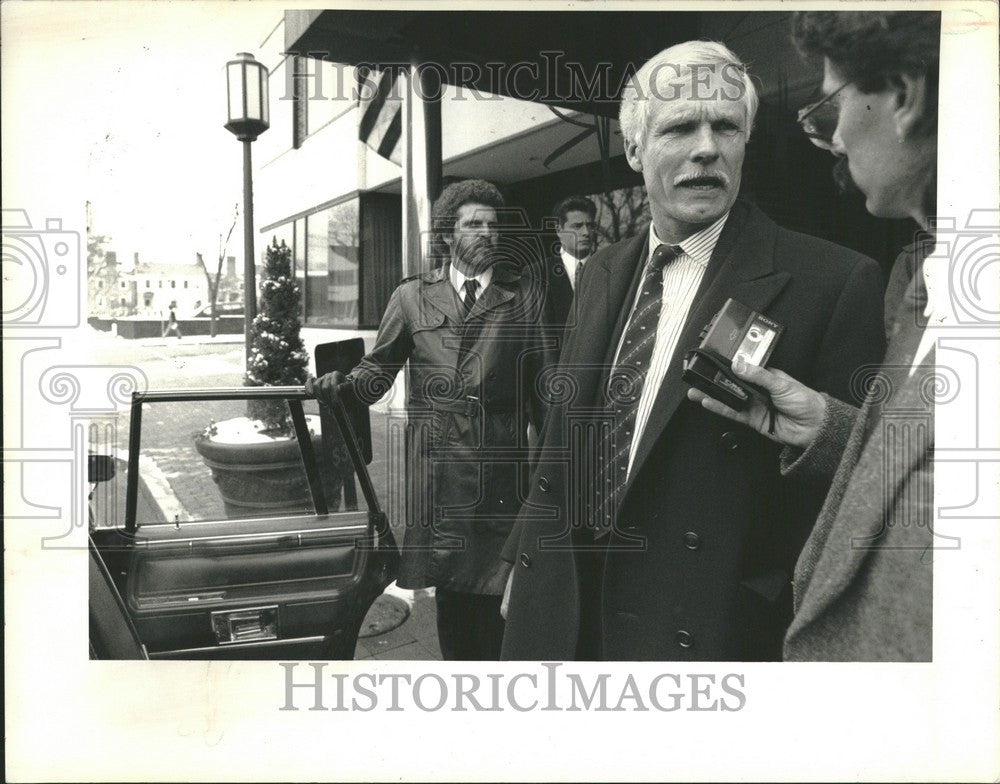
(741, 267)
(600, 305)
(623, 275)
(560, 290)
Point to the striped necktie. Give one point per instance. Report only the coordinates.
(626, 380)
(469, 299)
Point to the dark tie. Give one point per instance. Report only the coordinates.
(576, 276)
(626, 380)
(469, 299)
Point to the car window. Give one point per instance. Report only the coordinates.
(219, 460)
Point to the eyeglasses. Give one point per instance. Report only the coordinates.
(818, 120)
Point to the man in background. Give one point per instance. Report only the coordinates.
(577, 231)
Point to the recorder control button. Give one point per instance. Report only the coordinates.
(692, 541)
(684, 639)
(730, 440)
(525, 560)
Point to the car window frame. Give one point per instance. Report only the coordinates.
(293, 396)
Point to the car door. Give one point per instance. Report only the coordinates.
(222, 553)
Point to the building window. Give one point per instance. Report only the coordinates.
(100, 284)
(159, 284)
(185, 284)
(123, 301)
(331, 279)
(147, 285)
(173, 284)
(123, 284)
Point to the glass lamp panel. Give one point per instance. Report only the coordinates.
(265, 109)
(253, 92)
(234, 74)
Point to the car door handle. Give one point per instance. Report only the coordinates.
(253, 623)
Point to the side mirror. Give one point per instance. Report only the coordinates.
(100, 468)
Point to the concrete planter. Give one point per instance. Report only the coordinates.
(264, 478)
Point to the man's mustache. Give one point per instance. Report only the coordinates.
(717, 178)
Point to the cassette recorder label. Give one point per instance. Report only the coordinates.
(735, 331)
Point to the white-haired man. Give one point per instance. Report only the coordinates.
(654, 531)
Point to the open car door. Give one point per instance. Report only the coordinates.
(233, 544)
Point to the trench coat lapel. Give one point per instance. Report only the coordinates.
(741, 267)
(500, 291)
(439, 295)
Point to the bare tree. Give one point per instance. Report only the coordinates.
(213, 285)
(622, 213)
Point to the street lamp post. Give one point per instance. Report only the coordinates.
(246, 85)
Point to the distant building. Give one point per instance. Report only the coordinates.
(157, 285)
(109, 291)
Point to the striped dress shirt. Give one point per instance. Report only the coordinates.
(681, 278)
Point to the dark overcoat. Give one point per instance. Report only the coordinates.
(707, 531)
(470, 395)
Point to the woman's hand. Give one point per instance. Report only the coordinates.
(798, 410)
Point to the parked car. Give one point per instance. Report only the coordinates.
(221, 309)
(231, 544)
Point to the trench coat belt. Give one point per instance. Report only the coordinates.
(469, 406)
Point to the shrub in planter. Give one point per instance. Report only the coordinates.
(277, 356)
(255, 459)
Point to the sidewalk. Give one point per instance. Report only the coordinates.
(414, 640)
(190, 340)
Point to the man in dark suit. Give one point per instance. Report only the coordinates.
(577, 231)
(653, 530)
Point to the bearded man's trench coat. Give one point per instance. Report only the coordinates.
(471, 393)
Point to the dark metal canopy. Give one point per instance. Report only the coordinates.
(577, 60)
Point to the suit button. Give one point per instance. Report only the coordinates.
(543, 484)
(684, 639)
(525, 560)
(692, 541)
(730, 440)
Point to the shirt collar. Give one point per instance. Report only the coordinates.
(458, 279)
(699, 246)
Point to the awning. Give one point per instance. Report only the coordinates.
(576, 60)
